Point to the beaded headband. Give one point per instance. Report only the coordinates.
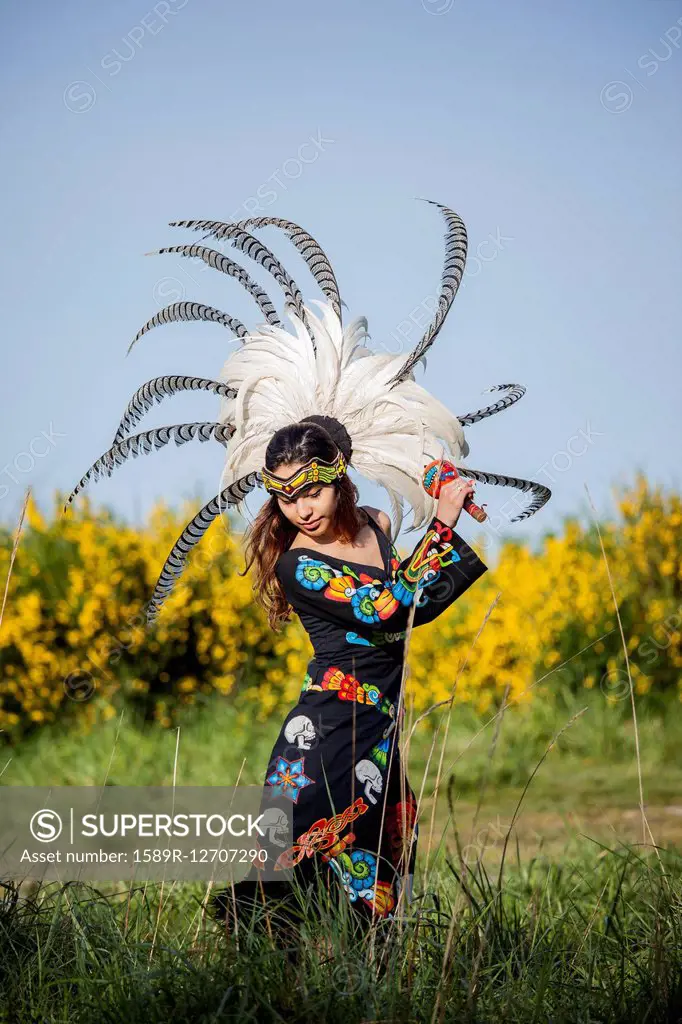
(313, 472)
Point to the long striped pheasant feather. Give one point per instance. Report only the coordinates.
(192, 534)
(516, 391)
(191, 311)
(158, 388)
(148, 441)
(453, 269)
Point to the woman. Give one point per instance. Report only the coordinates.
(336, 759)
(336, 762)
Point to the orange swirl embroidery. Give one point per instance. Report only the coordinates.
(323, 834)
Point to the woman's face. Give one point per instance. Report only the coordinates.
(312, 509)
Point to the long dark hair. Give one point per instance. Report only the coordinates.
(271, 533)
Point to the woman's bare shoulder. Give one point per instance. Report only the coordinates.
(383, 520)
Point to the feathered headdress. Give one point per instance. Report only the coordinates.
(278, 376)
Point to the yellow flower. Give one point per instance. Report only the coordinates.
(33, 516)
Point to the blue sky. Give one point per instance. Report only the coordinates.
(553, 129)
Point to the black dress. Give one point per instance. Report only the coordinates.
(336, 760)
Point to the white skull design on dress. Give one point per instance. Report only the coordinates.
(301, 731)
(367, 772)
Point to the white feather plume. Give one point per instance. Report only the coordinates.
(280, 378)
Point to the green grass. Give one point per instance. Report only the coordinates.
(548, 924)
(595, 940)
(216, 750)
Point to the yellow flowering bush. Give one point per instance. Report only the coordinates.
(74, 642)
(554, 623)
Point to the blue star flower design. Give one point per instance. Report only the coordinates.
(288, 778)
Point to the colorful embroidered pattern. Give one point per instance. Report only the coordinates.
(372, 600)
(288, 778)
(379, 752)
(358, 873)
(323, 835)
(350, 688)
(431, 555)
(400, 826)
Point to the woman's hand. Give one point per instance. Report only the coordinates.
(451, 499)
